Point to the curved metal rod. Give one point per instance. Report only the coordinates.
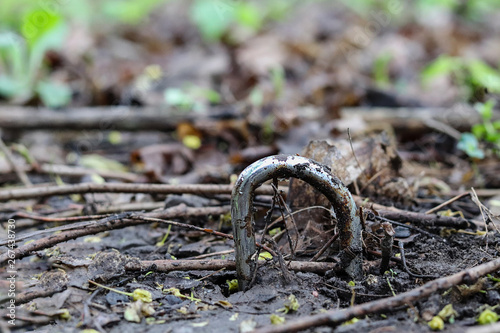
(317, 175)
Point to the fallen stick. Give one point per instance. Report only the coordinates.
(423, 219)
(335, 317)
(94, 227)
(216, 264)
(108, 118)
(45, 191)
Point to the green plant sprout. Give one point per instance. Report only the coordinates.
(164, 239)
(191, 98)
(381, 70)
(474, 75)
(129, 11)
(22, 61)
(487, 130)
(216, 18)
(137, 294)
(28, 29)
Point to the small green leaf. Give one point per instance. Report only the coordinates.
(485, 109)
(487, 317)
(265, 255)
(443, 65)
(436, 324)
(256, 97)
(469, 144)
(484, 75)
(278, 79)
(233, 285)
(38, 23)
(381, 70)
(478, 130)
(143, 295)
(54, 95)
(9, 87)
(98, 162)
(192, 141)
(212, 17)
(292, 304)
(247, 14)
(130, 11)
(276, 320)
(177, 97)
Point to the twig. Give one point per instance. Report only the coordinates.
(207, 255)
(94, 227)
(127, 118)
(280, 218)
(335, 317)
(68, 170)
(283, 206)
(57, 219)
(355, 182)
(19, 171)
(201, 189)
(325, 247)
(443, 128)
(485, 212)
(371, 215)
(214, 265)
(72, 226)
(403, 259)
(27, 296)
(428, 220)
(193, 227)
(447, 202)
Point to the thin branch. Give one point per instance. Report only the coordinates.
(335, 317)
(447, 202)
(193, 227)
(45, 191)
(428, 220)
(94, 227)
(18, 170)
(216, 264)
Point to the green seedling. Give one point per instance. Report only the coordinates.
(137, 294)
(487, 317)
(129, 11)
(164, 239)
(176, 292)
(474, 75)
(21, 61)
(381, 70)
(492, 278)
(436, 323)
(352, 284)
(217, 19)
(233, 285)
(191, 98)
(265, 256)
(487, 130)
(448, 313)
(292, 304)
(350, 322)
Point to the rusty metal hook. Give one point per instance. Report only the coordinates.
(317, 175)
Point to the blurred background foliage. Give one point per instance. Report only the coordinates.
(31, 30)
(28, 29)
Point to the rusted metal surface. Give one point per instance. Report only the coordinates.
(317, 175)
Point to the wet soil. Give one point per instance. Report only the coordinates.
(222, 310)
